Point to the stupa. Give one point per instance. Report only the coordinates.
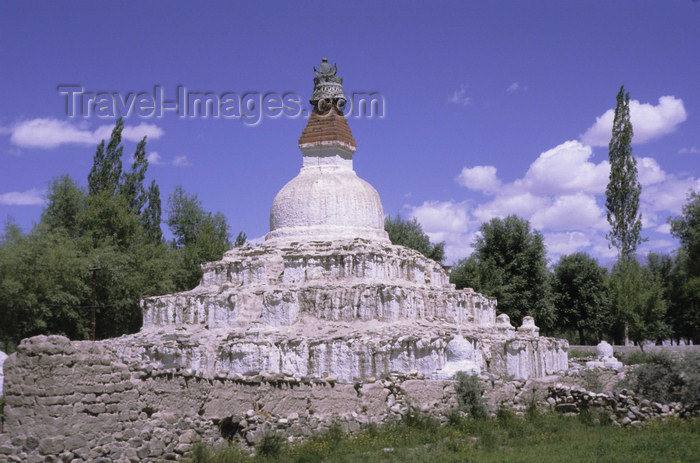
(328, 295)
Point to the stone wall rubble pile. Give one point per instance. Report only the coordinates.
(623, 407)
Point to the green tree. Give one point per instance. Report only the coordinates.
(131, 186)
(579, 287)
(509, 263)
(623, 190)
(107, 163)
(42, 284)
(409, 233)
(685, 304)
(65, 206)
(116, 226)
(638, 295)
(198, 236)
(151, 216)
(240, 240)
(622, 202)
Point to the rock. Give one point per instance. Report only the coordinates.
(188, 437)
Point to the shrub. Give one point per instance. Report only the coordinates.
(204, 453)
(271, 445)
(469, 395)
(690, 374)
(416, 419)
(667, 379)
(637, 358)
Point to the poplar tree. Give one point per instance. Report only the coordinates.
(107, 163)
(639, 302)
(623, 190)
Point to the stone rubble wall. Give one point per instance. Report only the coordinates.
(623, 408)
(3, 357)
(79, 401)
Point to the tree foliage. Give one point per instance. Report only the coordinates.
(685, 284)
(509, 263)
(637, 298)
(409, 233)
(579, 288)
(113, 224)
(198, 236)
(623, 190)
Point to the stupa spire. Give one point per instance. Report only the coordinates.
(328, 88)
(327, 200)
(327, 125)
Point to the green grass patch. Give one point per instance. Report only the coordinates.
(540, 438)
(580, 354)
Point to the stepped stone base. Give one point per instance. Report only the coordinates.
(350, 310)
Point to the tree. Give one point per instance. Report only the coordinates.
(409, 233)
(509, 263)
(42, 284)
(579, 287)
(686, 228)
(685, 304)
(131, 186)
(114, 225)
(240, 240)
(623, 190)
(637, 294)
(107, 164)
(151, 216)
(198, 235)
(622, 198)
(65, 206)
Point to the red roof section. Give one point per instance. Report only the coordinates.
(327, 127)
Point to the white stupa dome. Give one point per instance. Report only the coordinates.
(327, 200)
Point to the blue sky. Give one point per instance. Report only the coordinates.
(491, 108)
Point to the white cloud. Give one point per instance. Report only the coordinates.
(658, 246)
(648, 121)
(669, 195)
(562, 193)
(459, 97)
(649, 172)
(33, 197)
(560, 244)
(181, 161)
(566, 168)
(480, 178)
(691, 150)
(664, 228)
(449, 222)
(442, 217)
(570, 212)
(136, 133)
(523, 204)
(155, 158)
(49, 133)
(515, 86)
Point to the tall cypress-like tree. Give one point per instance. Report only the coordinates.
(131, 186)
(107, 164)
(622, 203)
(623, 190)
(151, 216)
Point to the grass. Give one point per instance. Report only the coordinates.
(537, 437)
(580, 354)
